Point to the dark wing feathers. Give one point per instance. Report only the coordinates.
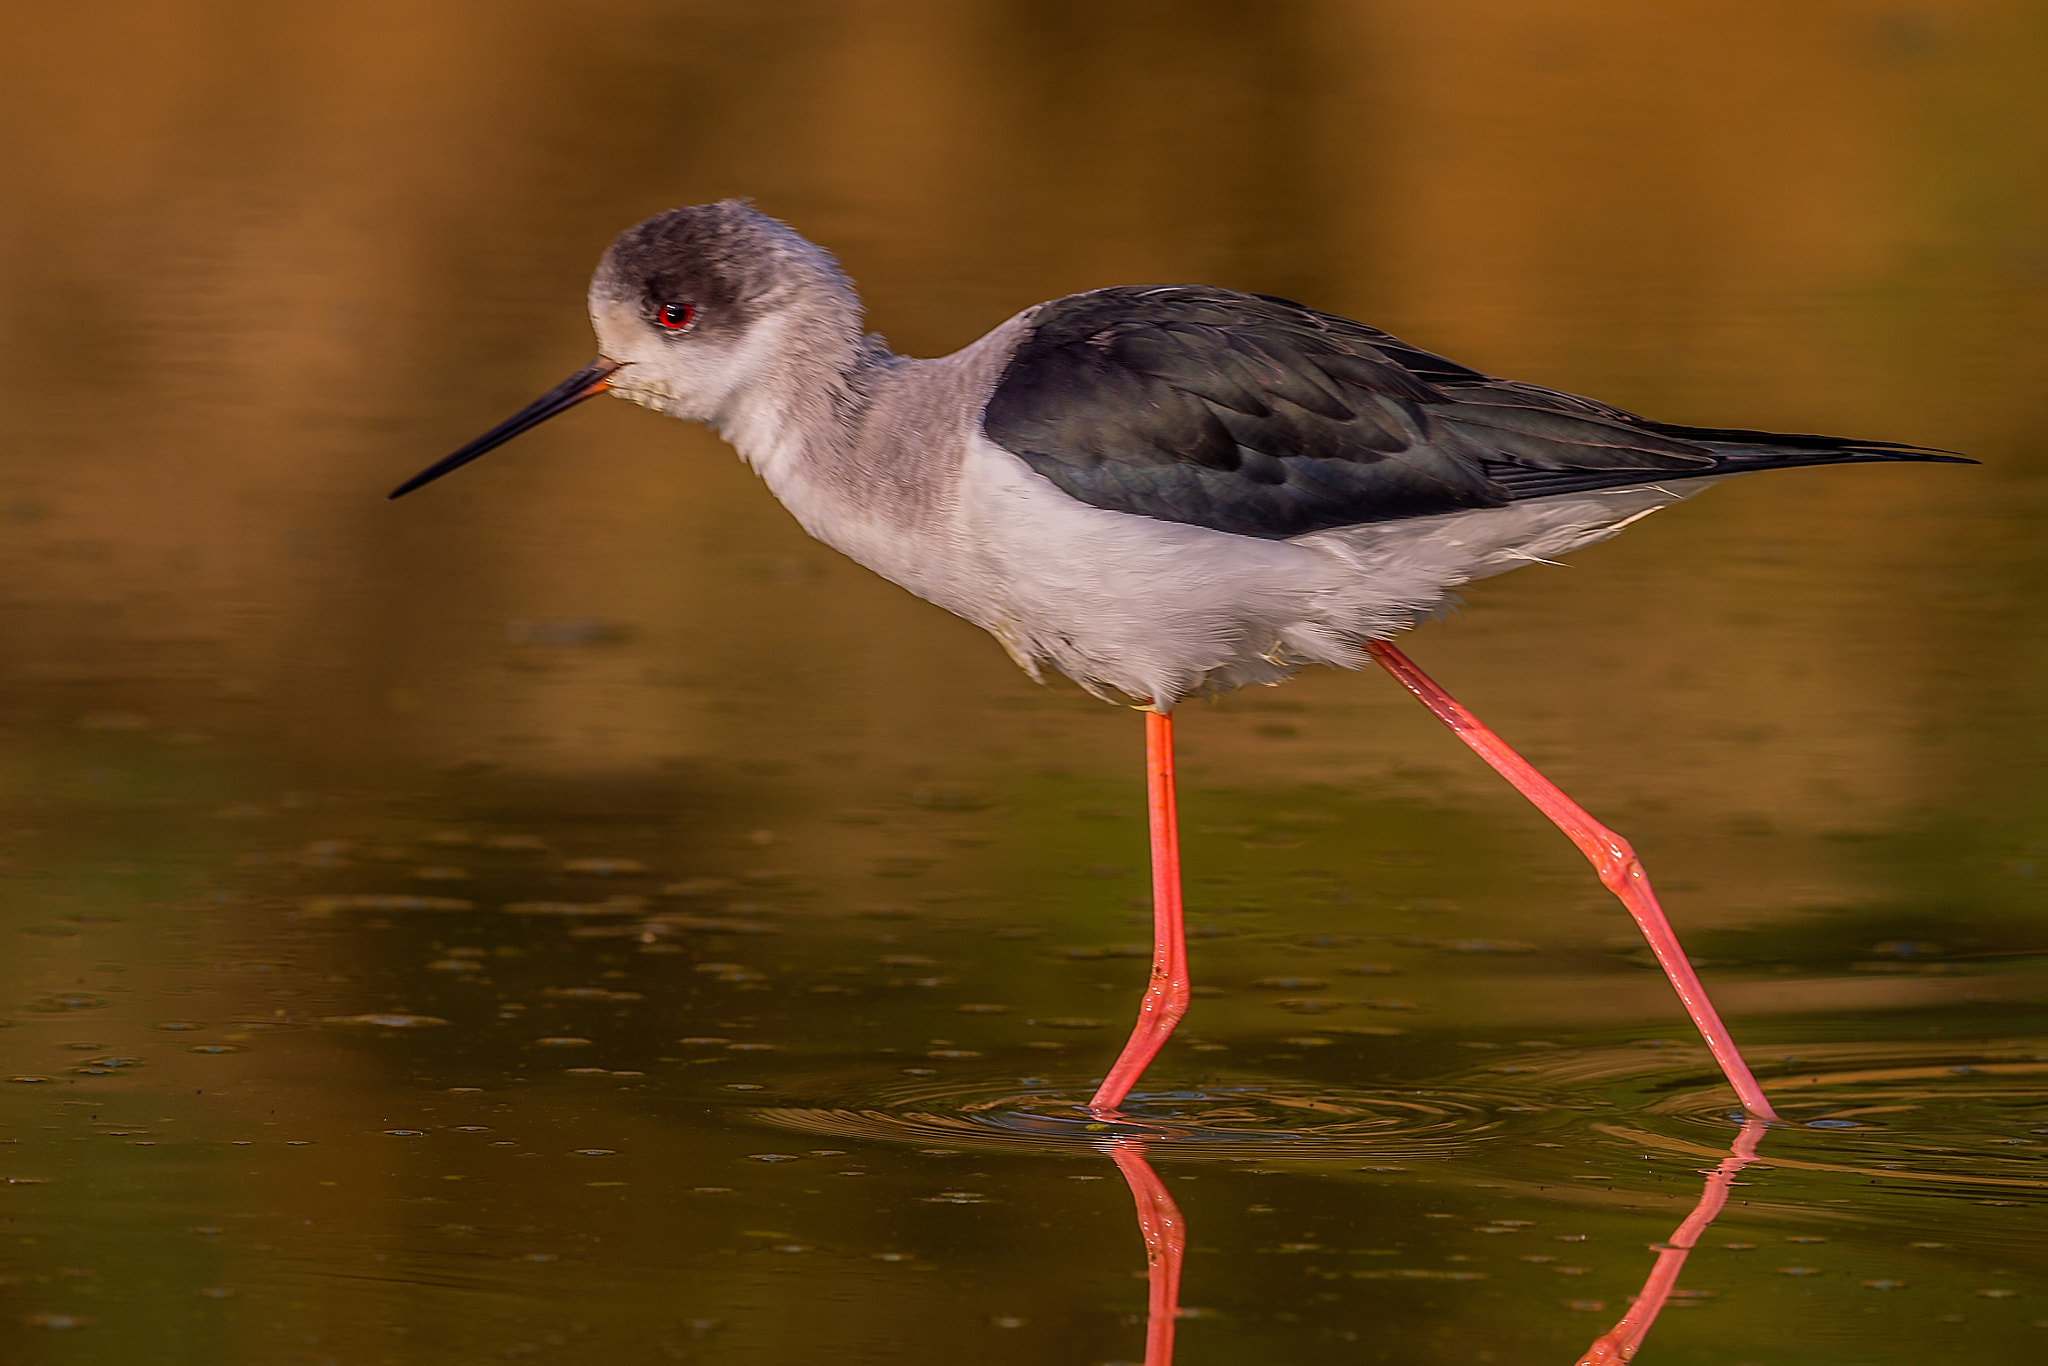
(1252, 414)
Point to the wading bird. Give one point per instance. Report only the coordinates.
(1161, 491)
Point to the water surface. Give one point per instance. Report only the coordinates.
(569, 915)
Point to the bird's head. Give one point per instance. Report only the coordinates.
(691, 308)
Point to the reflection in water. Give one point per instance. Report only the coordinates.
(1166, 1239)
(1619, 1344)
(1164, 1230)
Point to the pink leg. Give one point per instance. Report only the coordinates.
(1166, 996)
(1610, 855)
(1166, 1238)
(1620, 1342)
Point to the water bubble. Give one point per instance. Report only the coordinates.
(561, 1041)
(595, 1152)
(61, 1002)
(406, 1133)
(57, 1321)
(216, 1048)
(773, 1157)
(392, 1020)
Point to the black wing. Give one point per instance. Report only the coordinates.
(1256, 415)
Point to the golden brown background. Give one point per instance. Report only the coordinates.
(259, 262)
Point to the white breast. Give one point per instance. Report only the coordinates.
(1132, 608)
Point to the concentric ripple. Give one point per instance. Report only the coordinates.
(1921, 1118)
(1955, 1121)
(1226, 1120)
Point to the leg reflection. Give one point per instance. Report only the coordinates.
(1619, 1343)
(1166, 1238)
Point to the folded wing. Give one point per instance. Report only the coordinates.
(1255, 415)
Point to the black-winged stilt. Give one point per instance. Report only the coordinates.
(1161, 491)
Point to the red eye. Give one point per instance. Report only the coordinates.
(674, 317)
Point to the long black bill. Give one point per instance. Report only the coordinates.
(592, 380)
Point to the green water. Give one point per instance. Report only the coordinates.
(570, 916)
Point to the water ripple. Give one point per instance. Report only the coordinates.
(1920, 1118)
(1225, 1120)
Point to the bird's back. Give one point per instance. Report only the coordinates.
(1261, 417)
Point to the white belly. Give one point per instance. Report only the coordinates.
(1133, 608)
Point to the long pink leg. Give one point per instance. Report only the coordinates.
(1610, 855)
(1620, 1342)
(1166, 996)
(1166, 1238)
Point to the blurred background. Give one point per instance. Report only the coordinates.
(259, 263)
